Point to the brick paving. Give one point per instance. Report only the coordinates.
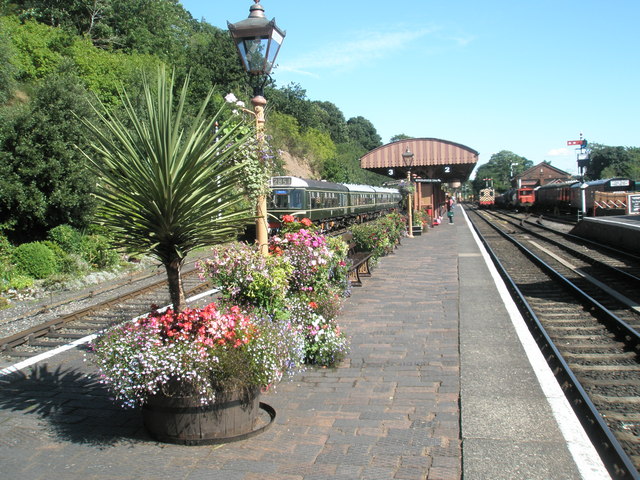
(389, 411)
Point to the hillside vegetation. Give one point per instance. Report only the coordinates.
(58, 58)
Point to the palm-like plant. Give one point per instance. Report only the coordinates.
(167, 188)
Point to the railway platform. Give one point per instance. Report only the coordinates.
(442, 382)
(620, 231)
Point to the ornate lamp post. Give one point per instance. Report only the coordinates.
(258, 41)
(407, 159)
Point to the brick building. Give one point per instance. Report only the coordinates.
(539, 175)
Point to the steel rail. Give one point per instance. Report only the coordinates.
(20, 338)
(576, 238)
(615, 458)
(582, 256)
(628, 333)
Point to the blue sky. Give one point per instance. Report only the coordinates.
(518, 75)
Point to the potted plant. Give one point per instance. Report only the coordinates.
(197, 373)
(304, 280)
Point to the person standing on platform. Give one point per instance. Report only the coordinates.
(449, 203)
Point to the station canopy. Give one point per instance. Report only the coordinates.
(434, 160)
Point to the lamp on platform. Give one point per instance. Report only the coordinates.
(258, 41)
(407, 159)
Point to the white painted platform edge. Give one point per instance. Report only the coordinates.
(582, 450)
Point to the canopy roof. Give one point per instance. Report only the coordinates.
(433, 159)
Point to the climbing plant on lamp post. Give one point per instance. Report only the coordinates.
(258, 41)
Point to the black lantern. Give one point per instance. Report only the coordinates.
(258, 40)
(407, 158)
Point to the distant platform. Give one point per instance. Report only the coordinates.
(622, 232)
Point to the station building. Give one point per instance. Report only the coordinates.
(435, 162)
(540, 174)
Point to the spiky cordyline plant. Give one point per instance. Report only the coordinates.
(167, 188)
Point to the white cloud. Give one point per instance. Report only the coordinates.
(349, 54)
(559, 152)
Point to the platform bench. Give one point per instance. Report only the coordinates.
(359, 262)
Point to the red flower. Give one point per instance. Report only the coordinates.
(288, 219)
(306, 222)
(313, 305)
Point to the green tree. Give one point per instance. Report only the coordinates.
(398, 137)
(362, 132)
(211, 60)
(285, 132)
(329, 118)
(7, 69)
(292, 100)
(501, 168)
(317, 147)
(345, 167)
(608, 162)
(166, 187)
(44, 182)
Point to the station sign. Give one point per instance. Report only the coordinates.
(574, 142)
(428, 180)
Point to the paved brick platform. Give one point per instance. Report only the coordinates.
(391, 410)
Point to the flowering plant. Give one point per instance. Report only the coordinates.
(379, 236)
(309, 257)
(306, 278)
(246, 277)
(325, 342)
(196, 352)
(291, 224)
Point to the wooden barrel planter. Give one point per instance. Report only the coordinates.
(184, 420)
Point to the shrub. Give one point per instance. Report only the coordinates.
(73, 264)
(67, 237)
(379, 236)
(97, 250)
(34, 259)
(6, 267)
(20, 282)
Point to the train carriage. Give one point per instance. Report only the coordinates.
(567, 196)
(554, 197)
(604, 185)
(329, 205)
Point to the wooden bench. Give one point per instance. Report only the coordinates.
(359, 261)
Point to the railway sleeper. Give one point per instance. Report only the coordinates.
(73, 336)
(601, 357)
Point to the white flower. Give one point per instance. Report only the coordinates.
(231, 98)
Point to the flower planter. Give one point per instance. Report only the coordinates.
(417, 230)
(184, 420)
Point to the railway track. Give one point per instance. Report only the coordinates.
(42, 330)
(55, 323)
(581, 303)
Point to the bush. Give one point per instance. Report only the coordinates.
(20, 282)
(379, 236)
(35, 259)
(97, 250)
(67, 237)
(74, 264)
(6, 268)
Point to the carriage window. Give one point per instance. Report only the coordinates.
(287, 198)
